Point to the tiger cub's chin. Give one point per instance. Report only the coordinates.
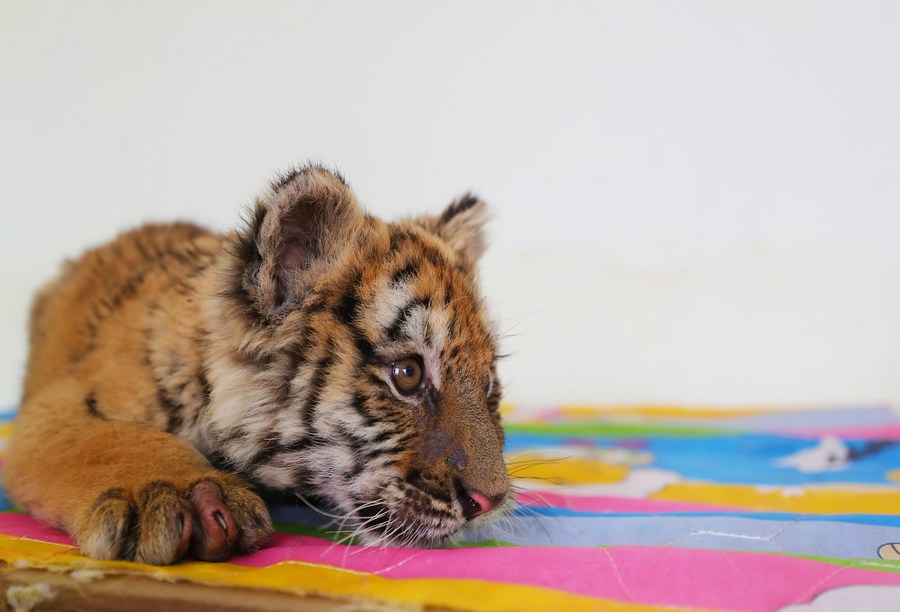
(316, 349)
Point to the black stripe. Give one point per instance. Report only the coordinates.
(434, 256)
(268, 451)
(353, 471)
(347, 307)
(376, 380)
(357, 442)
(384, 436)
(205, 395)
(346, 312)
(90, 403)
(358, 403)
(422, 249)
(206, 388)
(299, 444)
(242, 273)
(316, 388)
(274, 448)
(365, 348)
(141, 249)
(393, 330)
(405, 439)
(105, 305)
(398, 237)
(372, 454)
(219, 461)
(405, 273)
(281, 181)
(461, 205)
(172, 409)
(296, 359)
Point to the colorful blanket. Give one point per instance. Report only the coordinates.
(633, 509)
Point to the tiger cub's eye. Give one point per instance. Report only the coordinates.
(407, 374)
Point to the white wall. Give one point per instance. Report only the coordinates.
(696, 202)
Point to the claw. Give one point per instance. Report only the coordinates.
(214, 527)
(223, 524)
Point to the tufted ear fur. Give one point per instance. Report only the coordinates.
(299, 227)
(461, 226)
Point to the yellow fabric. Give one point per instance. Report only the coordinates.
(865, 499)
(305, 578)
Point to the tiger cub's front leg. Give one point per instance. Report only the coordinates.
(126, 491)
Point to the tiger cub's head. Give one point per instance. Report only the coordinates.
(352, 361)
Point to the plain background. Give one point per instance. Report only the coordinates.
(695, 202)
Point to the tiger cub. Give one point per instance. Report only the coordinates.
(317, 351)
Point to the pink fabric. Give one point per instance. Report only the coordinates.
(697, 578)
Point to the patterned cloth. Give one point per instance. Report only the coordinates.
(635, 509)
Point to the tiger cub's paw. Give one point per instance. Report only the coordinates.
(213, 519)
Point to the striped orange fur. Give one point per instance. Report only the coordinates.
(317, 350)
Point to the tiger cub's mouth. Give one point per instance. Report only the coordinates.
(404, 515)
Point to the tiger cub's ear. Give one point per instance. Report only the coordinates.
(298, 228)
(461, 226)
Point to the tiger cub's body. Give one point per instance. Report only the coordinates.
(317, 351)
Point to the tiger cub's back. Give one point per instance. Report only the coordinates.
(102, 315)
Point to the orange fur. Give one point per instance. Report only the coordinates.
(268, 350)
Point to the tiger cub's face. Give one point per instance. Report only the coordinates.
(352, 361)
